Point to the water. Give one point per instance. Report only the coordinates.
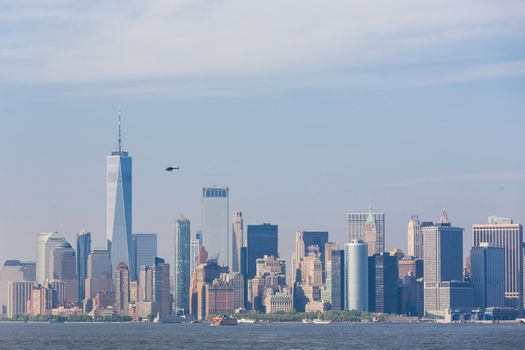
(129, 336)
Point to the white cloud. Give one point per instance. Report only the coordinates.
(102, 41)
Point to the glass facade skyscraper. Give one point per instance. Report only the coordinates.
(83, 250)
(261, 240)
(118, 215)
(215, 223)
(182, 266)
(144, 251)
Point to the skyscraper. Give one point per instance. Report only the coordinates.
(122, 289)
(63, 267)
(195, 247)
(119, 205)
(373, 224)
(83, 250)
(332, 292)
(356, 269)
(443, 263)
(415, 236)
(18, 296)
(488, 275)
(382, 283)
(237, 240)
(161, 288)
(261, 240)
(182, 266)
(502, 232)
(42, 253)
(144, 251)
(215, 223)
(99, 273)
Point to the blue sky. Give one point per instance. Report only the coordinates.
(307, 110)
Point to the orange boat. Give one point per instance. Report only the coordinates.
(224, 321)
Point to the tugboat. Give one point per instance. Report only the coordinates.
(224, 321)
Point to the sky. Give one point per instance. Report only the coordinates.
(307, 110)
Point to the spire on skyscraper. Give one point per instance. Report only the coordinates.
(444, 218)
(370, 218)
(119, 134)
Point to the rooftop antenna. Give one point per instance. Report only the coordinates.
(119, 134)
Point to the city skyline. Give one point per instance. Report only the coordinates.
(329, 109)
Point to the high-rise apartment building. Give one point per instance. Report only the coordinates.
(356, 270)
(502, 232)
(443, 263)
(261, 240)
(237, 240)
(181, 288)
(118, 214)
(144, 251)
(83, 250)
(215, 223)
(488, 275)
(368, 227)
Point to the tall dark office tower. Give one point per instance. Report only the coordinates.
(262, 240)
(382, 283)
(161, 288)
(181, 288)
(83, 250)
(502, 232)
(62, 266)
(488, 275)
(118, 214)
(144, 251)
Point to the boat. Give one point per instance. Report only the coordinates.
(157, 318)
(246, 321)
(319, 321)
(224, 321)
(305, 320)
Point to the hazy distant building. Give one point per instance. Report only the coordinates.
(415, 236)
(181, 288)
(118, 214)
(41, 301)
(410, 266)
(373, 224)
(382, 283)
(14, 271)
(18, 296)
(144, 251)
(270, 274)
(203, 275)
(46, 242)
(237, 281)
(303, 241)
(443, 262)
(237, 240)
(356, 281)
(122, 289)
(99, 273)
(215, 223)
(261, 240)
(219, 298)
(83, 250)
(488, 275)
(502, 232)
(197, 252)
